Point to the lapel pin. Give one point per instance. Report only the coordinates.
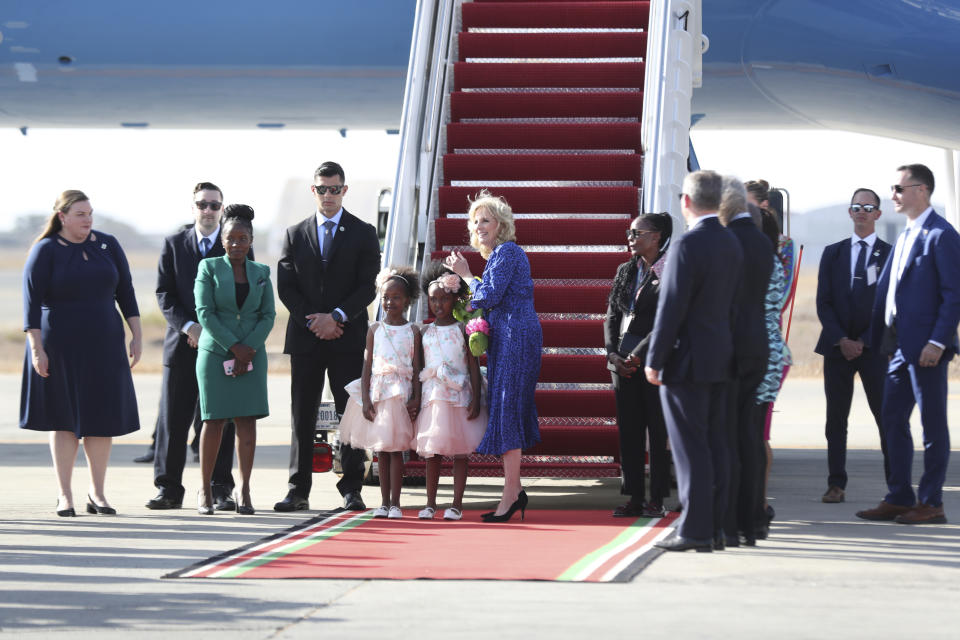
(655, 282)
(103, 245)
(341, 229)
(876, 254)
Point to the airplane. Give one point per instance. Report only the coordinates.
(880, 67)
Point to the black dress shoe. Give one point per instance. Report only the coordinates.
(164, 501)
(679, 543)
(147, 457)
(731, 541)
(223, 502)
(353, 502)
(719, 541)
(292, 503)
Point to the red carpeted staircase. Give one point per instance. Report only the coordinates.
(545, 111)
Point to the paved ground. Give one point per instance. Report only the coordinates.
(821, 572)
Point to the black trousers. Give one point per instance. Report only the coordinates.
(179, 411)
(838, 373)
(639, 413)
(695, 415)
(745, 450)
(306, 387)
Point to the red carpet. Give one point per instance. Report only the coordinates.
(563, 545)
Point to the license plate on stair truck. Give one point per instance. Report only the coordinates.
(326, 440)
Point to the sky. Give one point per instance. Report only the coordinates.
(147, 175)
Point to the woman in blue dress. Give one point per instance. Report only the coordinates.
(505, 293)
(76, 377)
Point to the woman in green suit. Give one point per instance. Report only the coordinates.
(235, 308)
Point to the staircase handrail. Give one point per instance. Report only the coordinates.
(673, 68)
(419, 130)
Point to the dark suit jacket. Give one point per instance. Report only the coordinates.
(928, 294)
(692, 338)
(644, 309)
(834, 296)
(347, 282)
(176, 273)
(750, 329)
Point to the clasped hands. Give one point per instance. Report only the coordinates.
(625, 367)
(244, 356)
(324, 326)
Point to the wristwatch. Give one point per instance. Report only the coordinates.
(337, 315)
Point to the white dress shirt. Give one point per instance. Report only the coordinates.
(855, 253)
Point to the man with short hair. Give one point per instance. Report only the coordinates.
(179, 395)
(915, 320)
(691, 354)
(846, 290)
(325, 278)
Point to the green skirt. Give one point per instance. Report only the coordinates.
(225, 397)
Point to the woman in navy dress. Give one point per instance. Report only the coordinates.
(76, 377)
(505, 293)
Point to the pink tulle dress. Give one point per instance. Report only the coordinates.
(442, 427)
(390, 386)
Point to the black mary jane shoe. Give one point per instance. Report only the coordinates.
(94, 508)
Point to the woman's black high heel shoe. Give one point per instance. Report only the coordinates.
(243, 509)
(93, 507)
(520, 503)
(65, 513)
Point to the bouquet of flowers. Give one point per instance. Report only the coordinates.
(478, 329)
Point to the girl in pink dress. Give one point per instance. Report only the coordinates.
(385, 400)
(451, 422)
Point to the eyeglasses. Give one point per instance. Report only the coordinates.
(897, 188)
(636, 233)
(322, 189)
(869, 208)
(203, 204)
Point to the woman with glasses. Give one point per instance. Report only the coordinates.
(76, 376)
(631, 312)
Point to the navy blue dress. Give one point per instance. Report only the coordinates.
(513, 357)
(71, 292)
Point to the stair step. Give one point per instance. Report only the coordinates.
(472, 104)
(568, 368)
(599, 265)
(571, 200)
(572, 333)
(497, 75)
(581, 299)
(533, 167)
(604, 135)
(582, 15)
(453, 231)
(552, 45)
(566, 403)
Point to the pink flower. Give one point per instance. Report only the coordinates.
(478, 325)
(449, 282)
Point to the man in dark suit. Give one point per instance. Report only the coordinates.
(915, 320)
(325, 278)
(691, 353)
(179, 395)
(846, 289)
(745, 420)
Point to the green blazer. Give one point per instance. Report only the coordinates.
(223, 323)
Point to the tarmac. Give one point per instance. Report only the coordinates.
(822, 572)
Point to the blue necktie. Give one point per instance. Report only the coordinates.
(860, 293)
(327, 240)
(205, 246)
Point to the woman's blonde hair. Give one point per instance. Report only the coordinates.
(501, 211)
(66, 200)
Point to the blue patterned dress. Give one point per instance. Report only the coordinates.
(513, 357)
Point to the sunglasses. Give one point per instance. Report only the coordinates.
(869, 208)
(203, 204)
(636, 233)
(322, 189)
(896, 188)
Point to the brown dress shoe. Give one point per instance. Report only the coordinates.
(883, 511)
(922, 513)
(833, 495)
